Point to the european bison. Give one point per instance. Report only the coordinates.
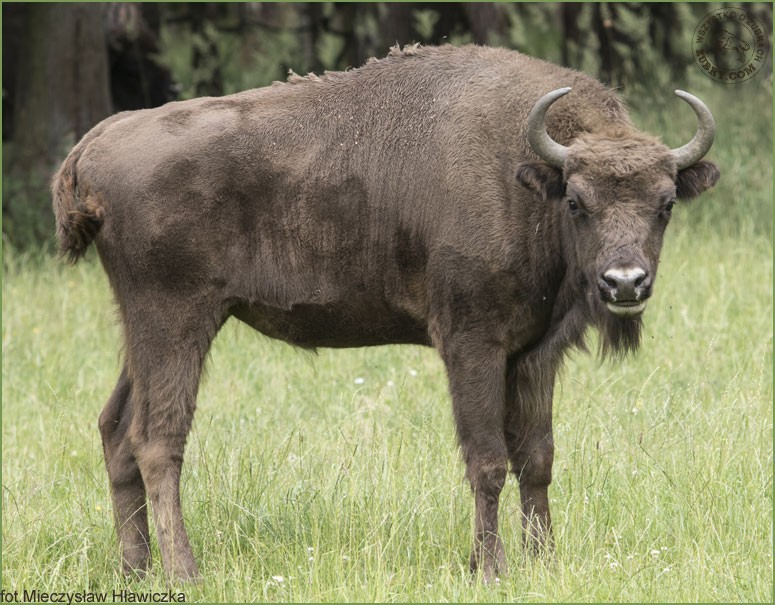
(449, 197)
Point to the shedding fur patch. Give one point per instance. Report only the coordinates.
(294, 78)
(409, 50)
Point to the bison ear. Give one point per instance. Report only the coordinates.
(692, 181)
(541, 178)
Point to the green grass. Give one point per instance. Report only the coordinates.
(353, 490)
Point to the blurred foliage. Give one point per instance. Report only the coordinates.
(623, 44)
(160, 52)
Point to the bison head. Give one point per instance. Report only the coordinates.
(618, 188)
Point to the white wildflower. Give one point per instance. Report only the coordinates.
(359, 380)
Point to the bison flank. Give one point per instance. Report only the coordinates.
(476, 200)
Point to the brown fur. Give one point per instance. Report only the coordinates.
(374, 206)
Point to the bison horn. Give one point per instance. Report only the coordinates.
(548, 150)
(695, 149)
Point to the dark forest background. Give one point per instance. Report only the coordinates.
(67, 66)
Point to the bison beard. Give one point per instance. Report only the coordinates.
(618, 335)
(370, 207)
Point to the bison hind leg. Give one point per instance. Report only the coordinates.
(126, 483)
(167, 342)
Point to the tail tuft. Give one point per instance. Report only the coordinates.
(79, 213)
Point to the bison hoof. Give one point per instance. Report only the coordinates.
(136, 563)
(186, 573)
(135, 572)
(492, 565)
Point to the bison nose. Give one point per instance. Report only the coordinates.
(624, 285)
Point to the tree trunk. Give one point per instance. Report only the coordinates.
(311, 17)
(205, 58)
(571, 35)
(604, 19)
(62, 92)
(488, 22)
(137, 79)
(396, 26)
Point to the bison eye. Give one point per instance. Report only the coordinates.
(573, 207)
(667, 210)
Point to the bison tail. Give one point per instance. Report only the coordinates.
(79, 213)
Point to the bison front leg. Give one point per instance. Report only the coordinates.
(476, 378)
(528, 430)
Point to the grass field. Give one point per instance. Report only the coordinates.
(336, 476)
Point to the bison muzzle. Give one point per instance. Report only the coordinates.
(460, 198)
